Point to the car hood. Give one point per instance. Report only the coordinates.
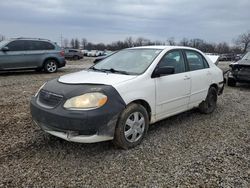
(92, 77)
(243, 63)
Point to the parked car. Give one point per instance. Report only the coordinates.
(240, 71)
(94, 53)
(24, 53)
(120, 96)
(73, 54)
(227, 57)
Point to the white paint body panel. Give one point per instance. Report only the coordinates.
(166, 96)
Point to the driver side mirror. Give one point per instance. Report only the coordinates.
(5, 49)
(162, 71)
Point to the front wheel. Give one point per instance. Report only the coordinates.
(131, 127)
(50, 66)
(209, 105)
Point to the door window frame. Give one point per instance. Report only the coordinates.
(170, 51)
(204, 61)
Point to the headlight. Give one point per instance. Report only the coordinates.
(87, 101)
(40, 89)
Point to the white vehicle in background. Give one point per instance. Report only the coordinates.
(119, 97)
(95, 53)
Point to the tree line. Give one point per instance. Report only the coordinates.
(241, 44)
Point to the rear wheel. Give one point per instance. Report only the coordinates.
(50, 66)
(131, 127)
(209, 105)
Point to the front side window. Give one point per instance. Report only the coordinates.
(18, 45)
(195, 60)
(173, 59)
(130, 61)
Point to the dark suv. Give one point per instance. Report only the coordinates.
(24, 53)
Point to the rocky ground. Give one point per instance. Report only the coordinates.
(187, 150)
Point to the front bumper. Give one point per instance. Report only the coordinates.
(87, 126)
(74, 136)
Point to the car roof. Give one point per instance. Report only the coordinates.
(163, 47)
(36, 39)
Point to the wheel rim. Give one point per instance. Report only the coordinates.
(51, 66)
(135, 126)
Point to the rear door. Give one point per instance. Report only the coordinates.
(36, 53)
(172, 91)
(14, 58)
(200, 76)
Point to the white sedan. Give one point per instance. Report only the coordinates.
(118, 98)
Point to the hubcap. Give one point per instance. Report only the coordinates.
(135, 126)
(51, 66)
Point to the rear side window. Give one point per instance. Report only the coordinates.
(18, 45)
(173, 59)
(72, 51)
(40, 45)
(196, 61)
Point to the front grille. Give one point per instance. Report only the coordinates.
(48, 99)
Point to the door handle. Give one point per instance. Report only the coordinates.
(187, 78)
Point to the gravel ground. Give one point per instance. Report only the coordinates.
(187, 150)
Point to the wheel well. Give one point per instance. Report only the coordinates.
(50, 58)
(145, 105)
(215, 86)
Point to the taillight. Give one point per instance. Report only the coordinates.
(62, 53)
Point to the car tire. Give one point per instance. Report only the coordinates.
(75, 58)
(50, 66)
(131, 127)
(231, 82)
(210, 103)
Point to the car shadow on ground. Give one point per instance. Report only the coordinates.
(49, 146)
(27, 72)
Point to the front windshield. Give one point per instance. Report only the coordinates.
(129, 61)
(3, 43)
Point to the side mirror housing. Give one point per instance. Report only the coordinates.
(5, 49)
(162, 71)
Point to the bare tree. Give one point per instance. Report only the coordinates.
(244, 41)
(65, 43)
(72, 43)
(84, 43)
(184, 42)
(77, 44)
(2, 37)
(171, 41)
(129, 41)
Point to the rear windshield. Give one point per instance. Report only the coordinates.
(3, 43)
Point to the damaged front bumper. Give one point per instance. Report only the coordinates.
(84, 126)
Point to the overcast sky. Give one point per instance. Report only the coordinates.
(110, 20)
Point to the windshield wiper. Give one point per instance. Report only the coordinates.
(112, 70)
(95, 69)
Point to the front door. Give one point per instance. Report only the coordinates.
(172, 91)
(14, 57)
